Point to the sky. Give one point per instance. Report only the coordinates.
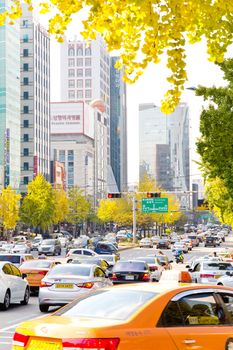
(151, 88)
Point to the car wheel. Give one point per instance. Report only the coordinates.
(219, 284)
(195, 281)
(6, 303)
(44, 308)
(26, 297)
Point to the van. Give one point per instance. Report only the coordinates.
(194, 239)
(16, 259)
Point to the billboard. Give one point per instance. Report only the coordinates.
(72, 118)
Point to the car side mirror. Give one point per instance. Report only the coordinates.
(24, 275)
(187, 266)
(171, 261)
(190, 270)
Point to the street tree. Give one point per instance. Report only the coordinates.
(143, 31)
(9, 208)
(79, 206)
(61, 205)
(215, 144)
(38, 204)
(106, 210)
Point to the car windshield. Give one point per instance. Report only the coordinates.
(48, 242)
(103, 304)
(14, 259)
(216, 266)
(75, 270)
(129, 266)
(36, 264)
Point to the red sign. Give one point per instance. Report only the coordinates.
(35, 166)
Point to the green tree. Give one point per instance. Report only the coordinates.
(38, 205)
(216, 143)
(79, 207)
(145, 30)
(9, 208)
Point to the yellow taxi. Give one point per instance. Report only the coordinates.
(137, 317)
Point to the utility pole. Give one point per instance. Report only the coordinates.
(134, 218)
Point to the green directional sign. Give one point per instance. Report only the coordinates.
(154, 205)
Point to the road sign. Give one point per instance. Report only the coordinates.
(154, 205)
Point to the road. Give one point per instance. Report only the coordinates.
(17, 313)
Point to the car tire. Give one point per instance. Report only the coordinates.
(6, 303)
(26, 297)
(43, 308)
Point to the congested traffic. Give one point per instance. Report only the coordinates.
(108, 291)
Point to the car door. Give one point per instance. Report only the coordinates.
(196, 272)
(201, 321)
(19, 283)
(8, 275)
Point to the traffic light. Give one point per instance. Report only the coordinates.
(153, 194)
(114, 195)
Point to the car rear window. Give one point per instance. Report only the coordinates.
(128, 266)
(36, 264)
(70, 269)
(103, 304)
(213, 266)
(14, 259)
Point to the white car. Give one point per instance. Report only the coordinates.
(180, 246)
(208, 272)
(155, 268)
(226, 280)
(63, 241)
(80, 253)
(14, 287)
(21, 248)
(146, 243)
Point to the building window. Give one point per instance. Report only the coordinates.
(87, 72)
(62, 156)
(25, 166)
(26, 152)
(25, 81)
(71, 83)
(79, 73)
(71, 72)
(79, 94)
(87, 61)
(71, 95)
(25, 67)
(79, 52)
(88, 94)
(25, 138)
(25, 109)
(25, 180)
(25, 23)
(70, 155)
(71, 62)
(71, 52)
(79, 62)
(88, 51)
(88, 83)
(25, 53)
(25, 95)
(79, 84)
(25, 38)
(26, 123)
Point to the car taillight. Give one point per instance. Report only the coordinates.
(146, 277)
(153, 268)
(87, 285)
(45, 284)
(114, 277)
(20, 340)
(42, 272)
(206, 275)
(91, 343)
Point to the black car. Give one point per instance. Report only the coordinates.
(106, 248)
(163, 244)
(210, 242)
(130, 271)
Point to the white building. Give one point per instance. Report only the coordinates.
(79, 140)
(35, 99)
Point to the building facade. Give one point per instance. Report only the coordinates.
(118, 126)
(9, 102)
(79, 141)
(35, 99)
(164, 146)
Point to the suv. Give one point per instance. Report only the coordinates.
(210, 242)
(50, 246)
(106, 248)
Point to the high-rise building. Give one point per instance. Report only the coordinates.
(9, 102)
(35, 99)
(164, 146)
(85, 74)
(118, 125)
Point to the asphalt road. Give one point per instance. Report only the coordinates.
(16, 314)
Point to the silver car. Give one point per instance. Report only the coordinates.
(66, 282)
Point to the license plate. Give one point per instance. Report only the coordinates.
(43, 345)
(64, 285)
(217, 276)
(129, 277)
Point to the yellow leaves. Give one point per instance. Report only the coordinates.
(9, 207)
(144, 30)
